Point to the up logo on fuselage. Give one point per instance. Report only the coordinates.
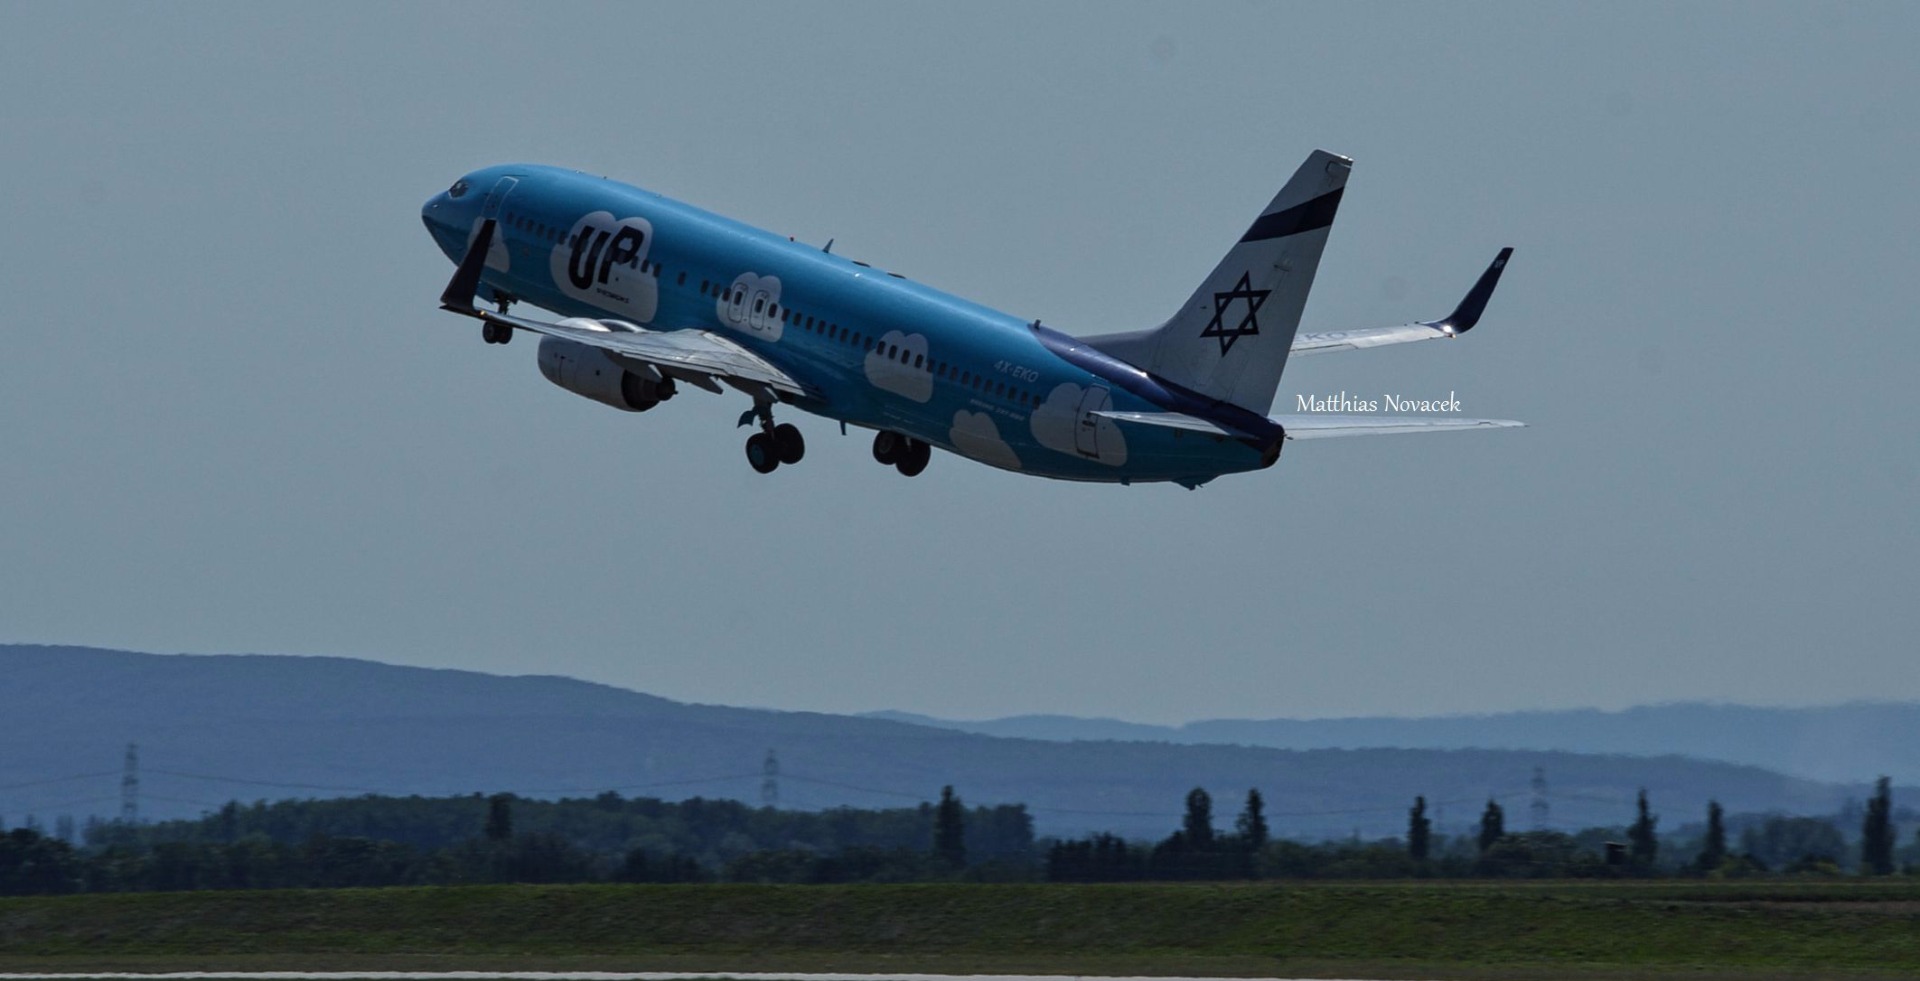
(604, 262)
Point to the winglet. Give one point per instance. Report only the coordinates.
(458, 296)
(1468, 312)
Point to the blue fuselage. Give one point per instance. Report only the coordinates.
(879, 351)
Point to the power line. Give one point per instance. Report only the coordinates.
(268, 783)
(48, 780)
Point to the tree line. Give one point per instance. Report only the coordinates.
(1767, 844)
(395, 841)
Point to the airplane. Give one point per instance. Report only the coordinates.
(652, 294)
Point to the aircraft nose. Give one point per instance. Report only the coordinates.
(442, 206)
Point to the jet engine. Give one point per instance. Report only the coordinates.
(589, 371)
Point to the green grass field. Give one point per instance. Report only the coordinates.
(1383, 930)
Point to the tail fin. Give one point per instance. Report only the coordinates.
(1230, 340)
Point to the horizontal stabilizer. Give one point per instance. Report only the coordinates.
(1331, 426)
(1168, 420)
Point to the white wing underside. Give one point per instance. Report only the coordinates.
(1331, 426)
(700, 357)
(1318, 426)
(1354, 340)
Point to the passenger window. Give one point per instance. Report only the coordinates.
(919, 361)
(682, 281)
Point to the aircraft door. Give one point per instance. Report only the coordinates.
(497, 196)
(1086, 433)
(737, 304)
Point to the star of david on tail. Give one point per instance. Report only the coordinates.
(1249, 325)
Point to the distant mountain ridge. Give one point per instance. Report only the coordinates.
(214, 728)
(1838, 742)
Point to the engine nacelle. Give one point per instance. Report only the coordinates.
(587, 370)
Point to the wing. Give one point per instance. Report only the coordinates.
(1454, 324)
(699, 357)
(1330, 426)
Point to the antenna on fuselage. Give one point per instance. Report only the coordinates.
(827, 248)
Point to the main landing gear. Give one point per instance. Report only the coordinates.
(903, 453)
(772, 445)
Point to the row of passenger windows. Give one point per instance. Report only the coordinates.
(894, 352)
(818, 325)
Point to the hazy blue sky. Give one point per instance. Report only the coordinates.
(231, 418)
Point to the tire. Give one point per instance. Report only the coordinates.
(915, 459)
(888, 447)
(760, 453)
(788, 443)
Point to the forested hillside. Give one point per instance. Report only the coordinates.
(1837, 742)
(216, 728)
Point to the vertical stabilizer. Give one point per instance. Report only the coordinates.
(1230, 340)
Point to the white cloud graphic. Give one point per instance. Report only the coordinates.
(975, 436)
(603, 262)
(896, 373)
(752, 303)
(1061, 424)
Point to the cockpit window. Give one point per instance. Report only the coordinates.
(459, 187)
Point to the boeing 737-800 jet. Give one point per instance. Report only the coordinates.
(653, 294)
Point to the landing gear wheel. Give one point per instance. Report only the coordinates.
(495, 333)
(788, 443)
(914, 459)
(761, 455)
(888, 446)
